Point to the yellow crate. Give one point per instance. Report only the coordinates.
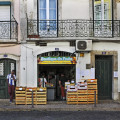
(92, 81)
(20, 88)
(90, 91)
(92, 87)
(82, 92)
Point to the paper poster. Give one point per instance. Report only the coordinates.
(78, 74)
(92, 73)
(115, 73)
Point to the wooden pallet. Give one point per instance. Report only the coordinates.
(92, 81)
(92, 87)
(92, 91)
(41, 95)
(83, 92)
(20, 95)
(72, 97)
(29, 95)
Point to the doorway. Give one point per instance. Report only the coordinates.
(52, 73)
(6, 66)
(103, 74)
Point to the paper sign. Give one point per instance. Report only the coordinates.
(41, 89)
(20, 88)
(30, 89)
(78, 73)
(115, 73)
(92, 73)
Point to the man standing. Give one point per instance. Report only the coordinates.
(62, 85)
(11, 78)
(42, 81)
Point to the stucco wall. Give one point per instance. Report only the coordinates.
(67, 9)
(75, 9)
(28, 66)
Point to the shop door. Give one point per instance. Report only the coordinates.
(6, 66)
(103, 65)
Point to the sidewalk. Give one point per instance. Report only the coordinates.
(61, 106)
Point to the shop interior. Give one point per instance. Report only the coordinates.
(52, 74)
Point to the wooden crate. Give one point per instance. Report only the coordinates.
(72, 97)
(92, 87)
(82, 96)
(92, 91)
(29, 95)
(92, 81)
(20, 94)
(41, 95)
(83, 92)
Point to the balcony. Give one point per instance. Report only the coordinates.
(73, 28)
(8, 31)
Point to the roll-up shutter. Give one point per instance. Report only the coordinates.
(4, 13)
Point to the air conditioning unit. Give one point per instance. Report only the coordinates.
(83, 45)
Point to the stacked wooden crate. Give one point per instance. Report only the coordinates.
(20, 95)
(85, 93)
(29, 96)
(82, 96)
(82, 92)
(92, 87)
(72, 96)
(41, 96)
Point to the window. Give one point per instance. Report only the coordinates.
(102, 10)
(47, 12)
(103, 18)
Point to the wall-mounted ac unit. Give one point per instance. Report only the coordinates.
(83, 45)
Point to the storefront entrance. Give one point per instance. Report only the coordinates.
(52, 74)
(52, 64)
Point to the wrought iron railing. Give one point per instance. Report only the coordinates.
(73, 28)
(8, 30)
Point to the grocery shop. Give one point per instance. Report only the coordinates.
(52, 66)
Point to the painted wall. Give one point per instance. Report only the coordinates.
(10, 49)
(67, 9)
(16, 6)
(81, 71)
(28, 66)
(75, 9)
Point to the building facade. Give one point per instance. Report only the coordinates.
(9, 42)
(77, 37)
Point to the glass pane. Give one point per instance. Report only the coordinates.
(52, 4)
(43, 24)
(42, 14)
(52, 25)
(52, 14)
(42, 3)
(104, 8)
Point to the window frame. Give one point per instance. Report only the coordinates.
(47, 11)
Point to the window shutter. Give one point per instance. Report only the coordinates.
(4, 13)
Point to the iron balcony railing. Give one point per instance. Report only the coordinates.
(73, 28)
(9, 30)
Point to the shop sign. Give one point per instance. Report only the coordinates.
(57, 60)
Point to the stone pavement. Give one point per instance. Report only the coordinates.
(61, 106)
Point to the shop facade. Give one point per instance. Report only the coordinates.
(100, 63)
